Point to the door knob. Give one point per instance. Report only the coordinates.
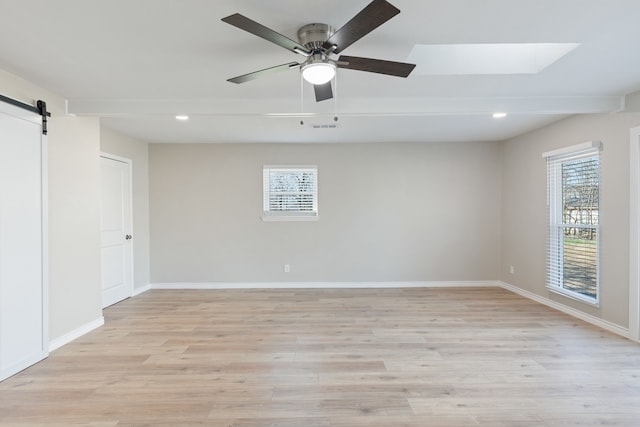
(128, 237)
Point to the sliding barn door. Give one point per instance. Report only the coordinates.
(23, 291)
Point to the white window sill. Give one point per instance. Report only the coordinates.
(574, 296)
(289, 218)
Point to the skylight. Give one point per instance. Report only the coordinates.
(500, 58)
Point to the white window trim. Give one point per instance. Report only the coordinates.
(275, 216)
(575, 150)
(586, 149)
(292, 218)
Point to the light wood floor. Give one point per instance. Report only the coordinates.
(307, 358)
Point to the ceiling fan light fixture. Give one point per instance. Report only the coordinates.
(318, 73)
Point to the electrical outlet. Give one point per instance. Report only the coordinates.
(512, 269)
(287, 268)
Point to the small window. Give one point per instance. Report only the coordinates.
(290, 193)
(574, 218)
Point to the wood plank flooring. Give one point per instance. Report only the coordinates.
(339, 358)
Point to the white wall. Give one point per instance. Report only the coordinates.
(388, 213)
(113, 142)
(74, 210)
(524, 210)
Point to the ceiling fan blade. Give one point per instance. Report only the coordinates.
(323, 92)
(262, 73)
(391, 68)
(260, 30)
(368, 19)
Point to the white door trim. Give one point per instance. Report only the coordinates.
(129, 164)
(45, 244)
(634, 236)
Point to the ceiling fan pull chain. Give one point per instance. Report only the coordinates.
(301, 100)
(335, 99)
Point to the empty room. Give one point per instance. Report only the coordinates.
(319, 214)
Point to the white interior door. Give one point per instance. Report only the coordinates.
(23, 236)
(115, 223)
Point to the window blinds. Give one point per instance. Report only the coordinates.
(290, 191)
(574, 219)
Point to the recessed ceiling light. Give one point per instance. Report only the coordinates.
(499, 115)
(182, 117)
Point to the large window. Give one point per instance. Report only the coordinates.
(290, 193)
(574, 218)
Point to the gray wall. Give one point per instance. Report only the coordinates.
(524, 210)
(74, 210)
(388, 212)
(115, 143)
(632, 102)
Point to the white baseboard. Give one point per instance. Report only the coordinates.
(604, 324)
(14, 368)
(76, 333)
(325, 285)
(141, 290)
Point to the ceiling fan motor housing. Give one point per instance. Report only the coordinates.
(313, 36)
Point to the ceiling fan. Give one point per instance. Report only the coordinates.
(318, 42)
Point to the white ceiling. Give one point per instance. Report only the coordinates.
(138, 63)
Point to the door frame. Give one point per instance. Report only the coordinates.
(129, 164)
(634, 235)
